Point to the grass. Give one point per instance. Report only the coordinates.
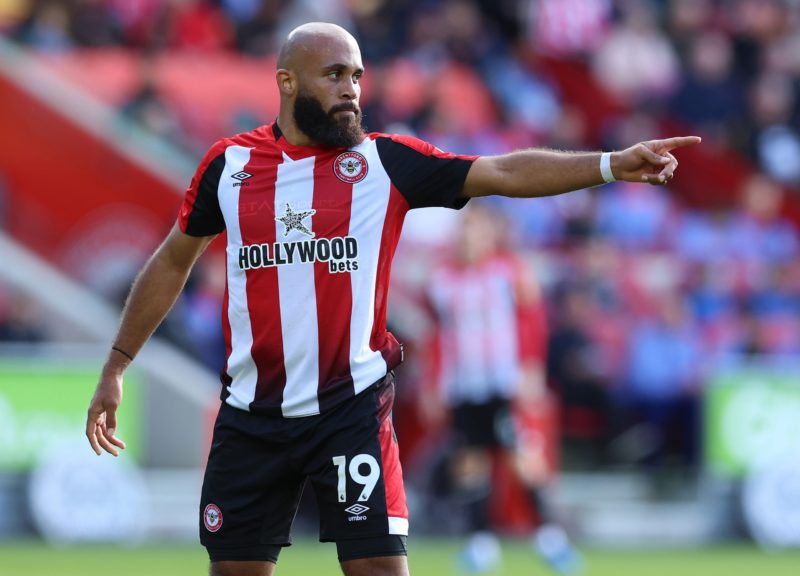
(427, 557)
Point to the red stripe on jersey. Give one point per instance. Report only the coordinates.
(332, 202)
(257, 206)
(382, 339)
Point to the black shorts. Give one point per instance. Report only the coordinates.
(259, 464)
(487, 424)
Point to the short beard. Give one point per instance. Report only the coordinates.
(323, 127)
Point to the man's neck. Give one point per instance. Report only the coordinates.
(292, 133)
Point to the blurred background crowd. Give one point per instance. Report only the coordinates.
(728, 69)
(647, 290)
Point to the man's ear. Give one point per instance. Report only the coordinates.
(287, 82)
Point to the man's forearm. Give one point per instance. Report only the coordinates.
(153, 294)
(533, 173)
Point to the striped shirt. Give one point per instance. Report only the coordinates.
(311, 233)
(490, 324)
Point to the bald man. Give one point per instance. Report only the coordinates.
(313, 207)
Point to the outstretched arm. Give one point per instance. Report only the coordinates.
(153, 294)
(533, 173)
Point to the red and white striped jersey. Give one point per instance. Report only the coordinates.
(489, 323)
(311, 233)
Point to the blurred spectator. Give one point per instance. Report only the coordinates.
(703, 236)
(148, 108)
(711, 97)
(775, 140)
(199, 25)
(20, 319)
(92, 25)
(529, 101)
(754, 24)
(759, 233)
(256, 25)
(46, 28)
(689, 19)
(662, 377)
(580, 377)
(635, 217)
(568, 28)
(637, 61)
(140, 22)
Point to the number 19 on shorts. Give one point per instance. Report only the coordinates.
(368, 481)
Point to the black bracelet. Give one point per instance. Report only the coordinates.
(123, 353)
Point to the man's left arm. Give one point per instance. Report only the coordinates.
(537, 172)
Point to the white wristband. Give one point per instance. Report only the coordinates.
(605, 167)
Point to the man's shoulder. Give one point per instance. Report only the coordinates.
(258, 137)
(407, 142)
(404, 140)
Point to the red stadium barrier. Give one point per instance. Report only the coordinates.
(71, 197)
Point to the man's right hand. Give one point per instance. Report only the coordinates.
(101, 421)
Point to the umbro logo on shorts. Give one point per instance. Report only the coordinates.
(356, 512)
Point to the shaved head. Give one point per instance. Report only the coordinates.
(313, 38)
(319, 69)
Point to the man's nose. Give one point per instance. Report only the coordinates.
(349, 89)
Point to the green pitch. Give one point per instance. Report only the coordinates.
(428, 557)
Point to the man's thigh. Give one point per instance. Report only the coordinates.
(356, 472)
(382, 566)
(241, 568)
(250, 491)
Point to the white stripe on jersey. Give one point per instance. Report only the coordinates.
(241, 367)
(479, 342)
(367, 219)
(297, 294)
(469, 339)
(503, 345)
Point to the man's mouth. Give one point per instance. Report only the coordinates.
(348, 110)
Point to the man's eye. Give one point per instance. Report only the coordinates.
(334, 74)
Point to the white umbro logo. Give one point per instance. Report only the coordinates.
(242, 175)
(356, 509)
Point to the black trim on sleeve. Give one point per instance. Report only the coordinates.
(424, 180)
(206, 218)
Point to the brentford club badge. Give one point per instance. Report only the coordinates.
(350, 167)
(212, 518)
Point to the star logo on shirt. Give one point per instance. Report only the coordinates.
(294, 221)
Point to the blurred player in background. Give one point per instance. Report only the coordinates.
(487, 365)
(313, 208)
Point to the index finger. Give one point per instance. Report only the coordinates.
(678, 142)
